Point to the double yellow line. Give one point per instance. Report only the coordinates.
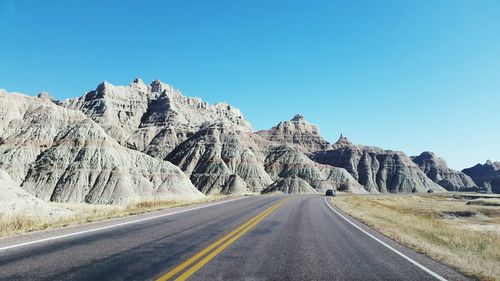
(223, 242)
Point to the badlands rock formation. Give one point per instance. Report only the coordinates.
(59, 154)
(378, 170)
(222, 159)
(121, 143)
(290, 185)
(151, 118)
(486, 176)
(299, 132)
(287, 165)
(15, 199)
(437, 170)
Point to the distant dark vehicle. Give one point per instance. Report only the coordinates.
(330, 192)
(430, 191)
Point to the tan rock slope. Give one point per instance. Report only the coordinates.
(437, 170)
(60, 155)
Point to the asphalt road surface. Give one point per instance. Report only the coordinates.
(252, 238)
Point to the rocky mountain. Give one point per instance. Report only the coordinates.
(15, 199)
(285, 164)
(437, 170)
(378, 170)
(222, 159)
(60, 155)
(486, 176)
(121, 143)
(151, 118)
(297, 132)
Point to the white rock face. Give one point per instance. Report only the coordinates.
(291, 185)
(61, 155)
(222, 159)
(378, 170)
(15, 199)
(298, 132)
(117, 143)
(286, 165)
(152, 118)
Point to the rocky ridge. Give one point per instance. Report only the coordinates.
(437, 170)
(152, 118)
(222, 159)
(376, 169)
(60, 155)
(486, 176)
(121, 143)
(299, 132)
(15, 199)
(285, 164)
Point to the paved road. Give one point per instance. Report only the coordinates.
(254, 238)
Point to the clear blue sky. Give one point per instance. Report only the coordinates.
(404, 75)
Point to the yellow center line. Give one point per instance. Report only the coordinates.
(217, 251)
(245, 227)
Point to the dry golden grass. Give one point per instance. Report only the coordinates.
(445, 227)
(72, 214)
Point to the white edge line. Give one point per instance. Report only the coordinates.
(437, 276)
(110, 226)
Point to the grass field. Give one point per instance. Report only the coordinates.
(458, 230)
(71, 214)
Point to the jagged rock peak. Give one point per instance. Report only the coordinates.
(486, 176)
(495, 165)
(103, 86)
(139, 84)
(44, 96)
(428, 156)
(377, 169)
(297, 132)
(437, 170)
(157, 86)
(61, 155)
(138, 81)
(298, 118)
(343, 141)
(141, 116)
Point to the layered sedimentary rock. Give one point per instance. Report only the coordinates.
(297, 132)
(437, 170)
(222, 159)
(15, 199)
(287, 165)
(290, 185)
(486, 176)
(115, 144)
(378, 170)
(59, 154)
(151, 118)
